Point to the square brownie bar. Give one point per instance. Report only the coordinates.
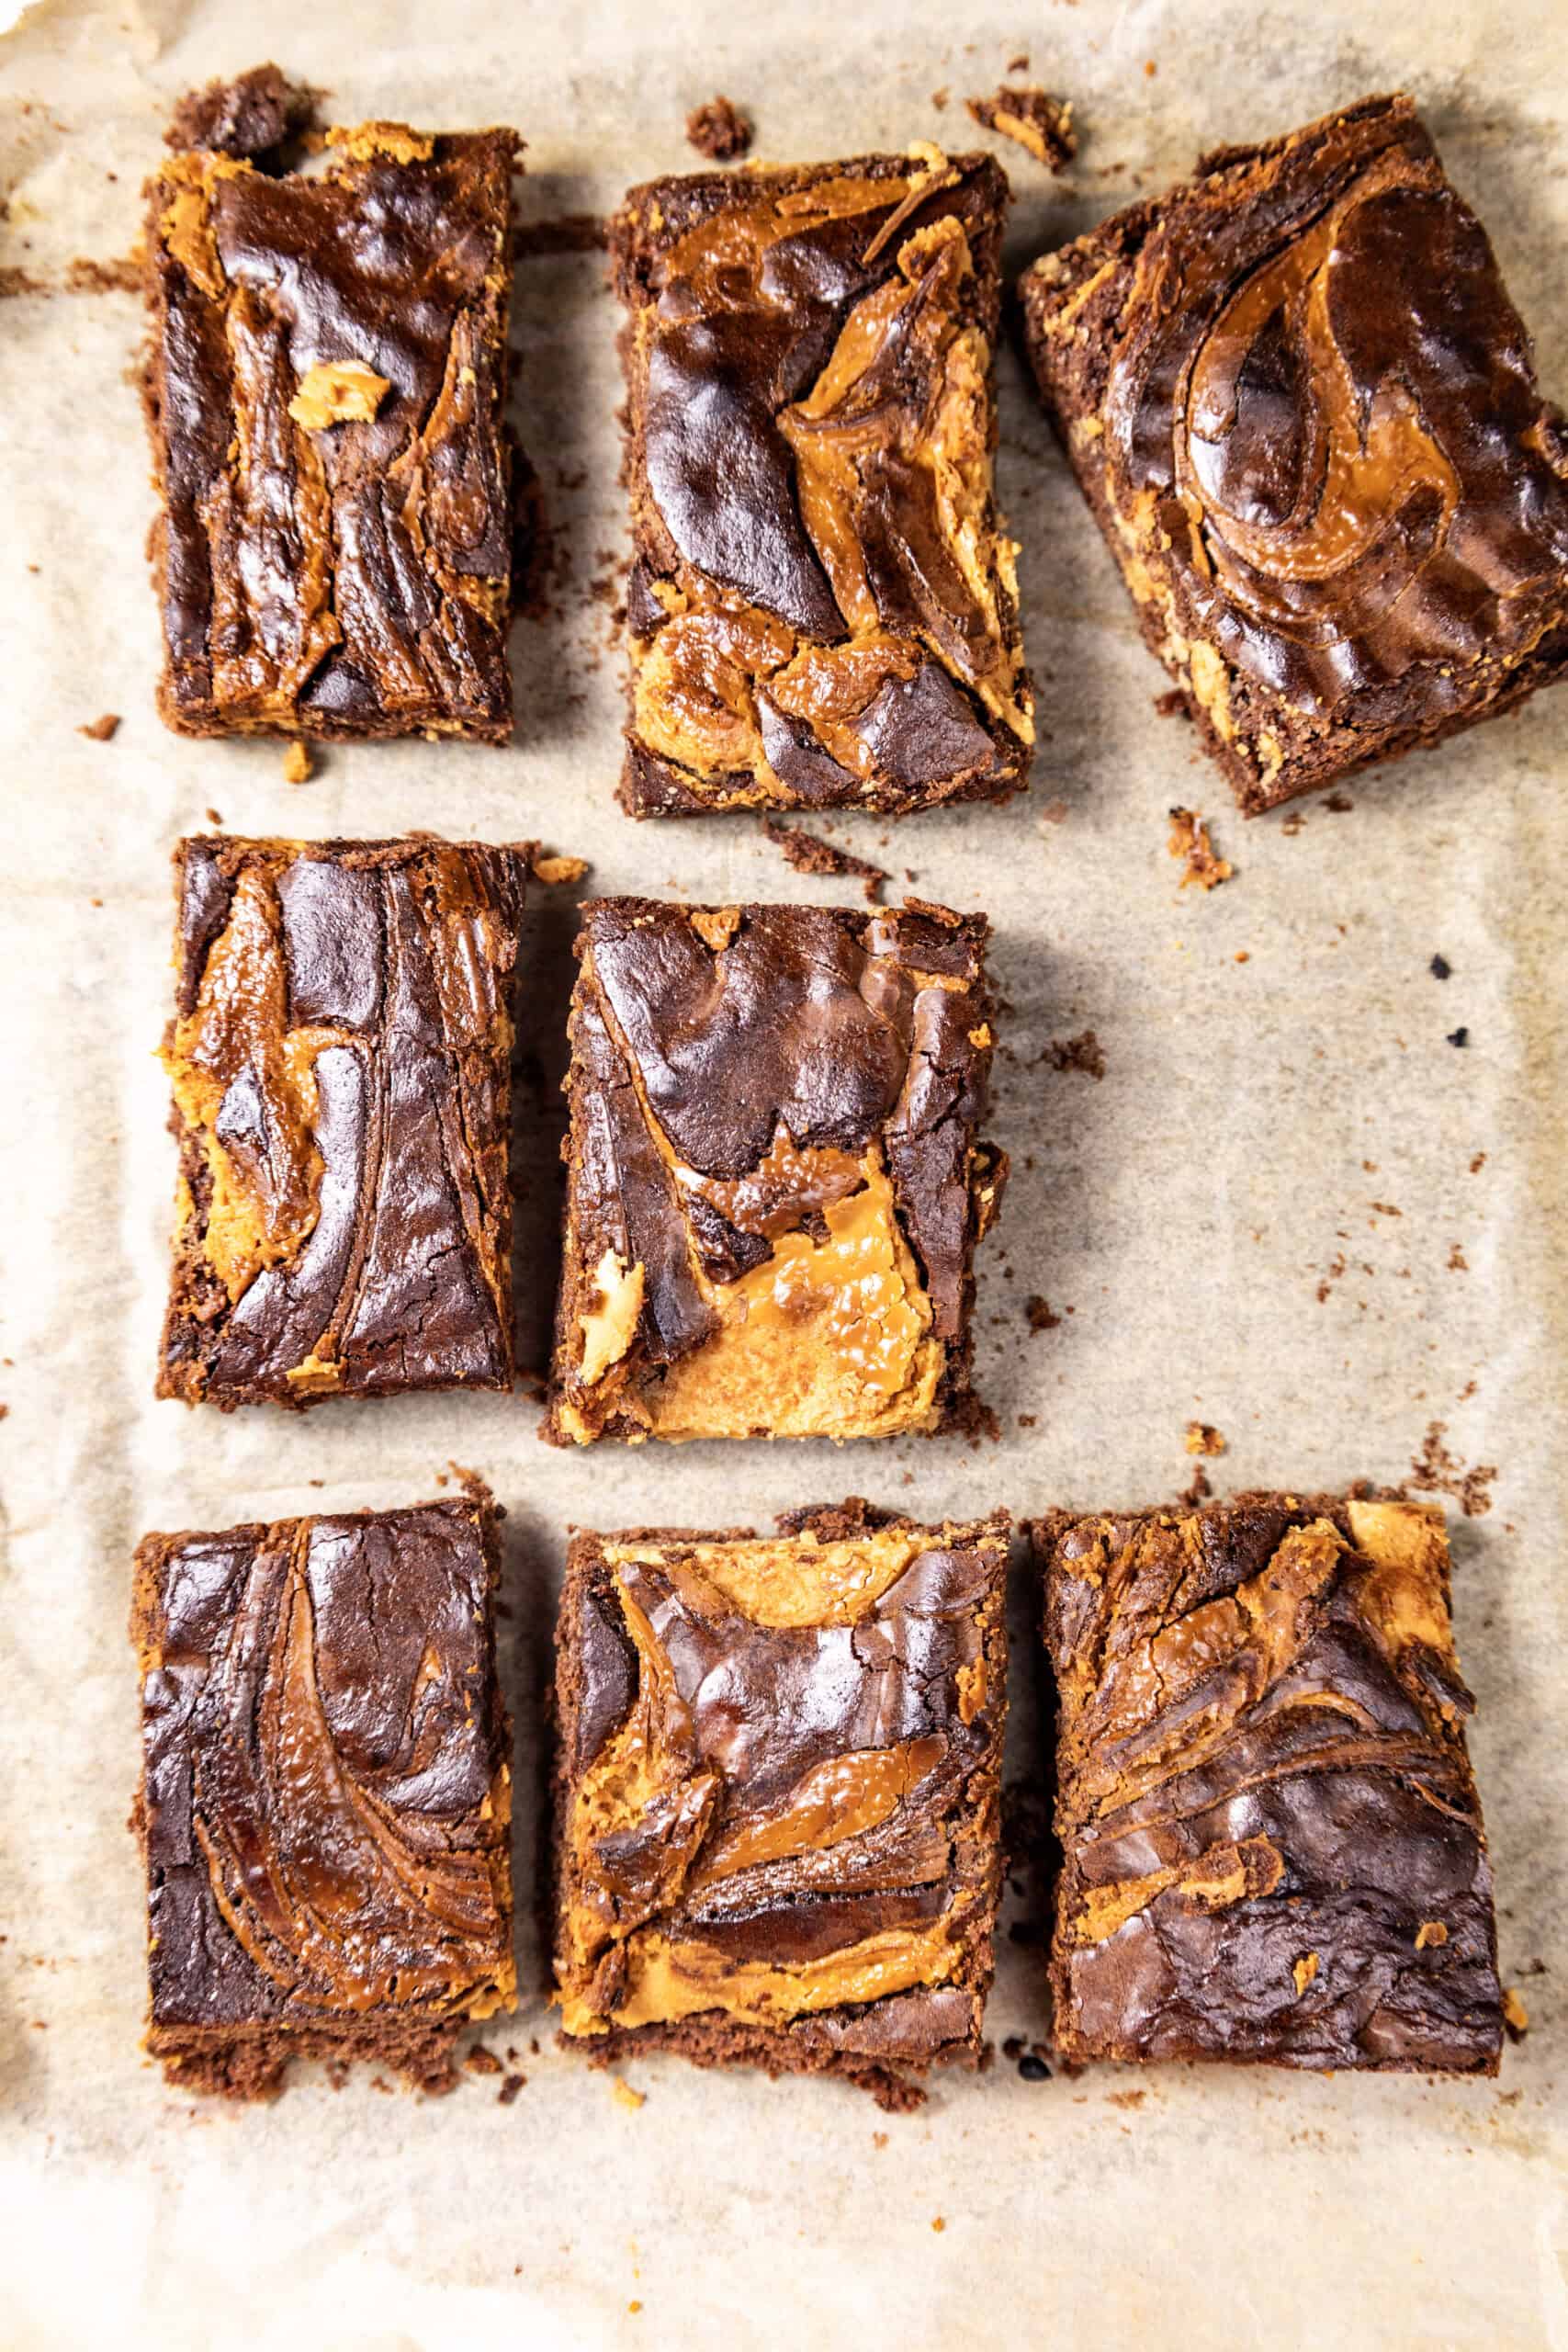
(340, 1060)
(774, 1187)
(1272, 1842)
(326, 381)
(1304, 414)
(823, 609)
(777, 1794)
(326, 1796)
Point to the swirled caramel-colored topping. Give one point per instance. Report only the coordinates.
(809, 364)
(339, 1069)
(780, 1804)
(727, 1279)
(1264, 1794)
(1315, 431)
(326, 1815)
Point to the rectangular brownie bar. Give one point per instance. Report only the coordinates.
(1304, 414)
(777, 1794)
(326, 381)
(340, 1059)
(774, 1187)
(1272, 1842)
(326, 1798)
(823, 608)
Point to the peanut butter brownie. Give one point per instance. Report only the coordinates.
(340, 1059)
(325, 387)
(774, 1186)
(1273, 1846)
(325, 1800)
(1304, 413)
(822, 606)
(777, 1794)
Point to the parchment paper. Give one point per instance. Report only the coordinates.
(1291, 1208)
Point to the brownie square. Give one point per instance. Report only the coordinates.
(823, 608)
(774, 1188)
(1272, 1845)
(326, 1798)
(1304, 414)
(777, 1794)
(340, 1061)
(326, 382)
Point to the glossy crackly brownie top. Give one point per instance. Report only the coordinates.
(339, 1061)
(1300, 389)
(776, 1187)
(1273, 1846)
(822, 607)
(326, 1796)
(780, 1781)
(325, 386)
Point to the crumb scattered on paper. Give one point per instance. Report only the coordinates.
(1516, 2017)
(299, 767)
(510, 2088)
(1190, 840)
(1034, 121)
(99, 730)
(552, 871)
(718, 130)
(1202, 1437)
(808, 854)
(1041, 1318)
(625, 2096)
(1435, 1471)
(1081, 1053)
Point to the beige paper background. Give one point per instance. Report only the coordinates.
(1187, 1207)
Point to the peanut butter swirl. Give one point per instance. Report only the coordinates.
(823, 606)
(779, 1778)
(1264, 1797)
(326, 1796)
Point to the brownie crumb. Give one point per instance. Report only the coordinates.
(1198, 1488)
(553, 871)
(718, 130)
(1459, 1036)
(1202, 1438)
(1081, 1053)
(297, 765)
(99, 730)
(1458, 1262)
(1478, 1163)
(808, 854)
(1516, 2017)
(1040, 1316)
(509, 2089)
(1032, 2068)
(480, 2060)
(1435, 1471)
(624, 2096)
(1033, 119)
(1439, 968)
(1172, 704)
(1339, 804)
(124, 275)
(253, 116)
(1190, 840)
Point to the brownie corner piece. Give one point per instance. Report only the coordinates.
(775, 1182)
(1304, 413)
(325, 1801)
(325, 388)
(339, 1060)
(807, 1887)
(823, 607)
(1272, 1843)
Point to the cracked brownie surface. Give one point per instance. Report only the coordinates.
(326, 1800)
(340, 1062)
(777, 1793)
(1272, 1841)
(325, 386)
(822, 609)
(775, 1184)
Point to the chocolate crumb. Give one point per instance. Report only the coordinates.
(1337, 804)
(1439, 968)
(1459, 1036)
(718, 130)
(480, 2060)
(99, 730)
(1033, 2069)
(808, 854)
(1202, 1438)
(1435, 1471)
(253, 116)
(1190, 840)
(1040, 1316)
(1172, 704)
(1081, 1053)
(509, 2089)
(1034, 121)
(1197, 1489)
